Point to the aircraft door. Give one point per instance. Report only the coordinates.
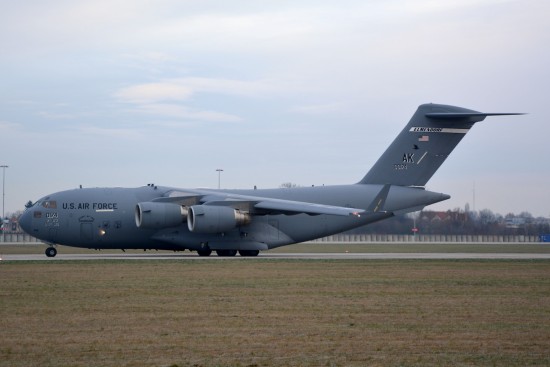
(86, 232)
(86, 228)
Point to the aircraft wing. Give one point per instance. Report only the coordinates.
(254, 204)
(264, 205)
(297, 207)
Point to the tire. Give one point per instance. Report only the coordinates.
(249, 252)
(226, 252)
(51, 252)
(204, 252)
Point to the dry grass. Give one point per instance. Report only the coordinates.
(275, 313)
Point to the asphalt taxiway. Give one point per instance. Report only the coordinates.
(277, 255)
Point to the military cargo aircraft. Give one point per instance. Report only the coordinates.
(250, 221)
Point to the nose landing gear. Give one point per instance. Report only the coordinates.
(51, 252)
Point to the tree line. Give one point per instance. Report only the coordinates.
(460, 222)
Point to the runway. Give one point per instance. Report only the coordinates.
(275, 256)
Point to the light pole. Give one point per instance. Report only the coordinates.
(219, 170)
(3, 196)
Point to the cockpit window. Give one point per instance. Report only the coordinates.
(49, 204)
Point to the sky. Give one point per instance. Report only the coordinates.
(124, 93)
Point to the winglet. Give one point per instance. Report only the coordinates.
(379, 201)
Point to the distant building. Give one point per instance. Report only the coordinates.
(515, 222)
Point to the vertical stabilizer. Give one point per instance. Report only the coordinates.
(423, 145)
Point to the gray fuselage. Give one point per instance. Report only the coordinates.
(104, 218)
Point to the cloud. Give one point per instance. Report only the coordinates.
(154, 92)
(55, 116)
(6, 126)
(263, 29)
(413, 8)
(116, 133)
(58, 26)
(55, 27)
(254, 88)
(150, 70)
(171, 97)
(318, 109)
(180, 89)
(185, 113)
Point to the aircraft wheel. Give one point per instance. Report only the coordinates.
(226, 252)
(51, 252)
(249, 252)
(204, 252)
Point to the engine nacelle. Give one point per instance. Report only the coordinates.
(215, 219)
(159, 215)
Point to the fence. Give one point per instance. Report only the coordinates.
(376, 238)
(19, 238)
(362, 238)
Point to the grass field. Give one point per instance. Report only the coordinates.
(262, 312)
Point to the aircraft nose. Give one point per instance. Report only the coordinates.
(25, 221)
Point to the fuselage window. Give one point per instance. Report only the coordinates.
(50, 204)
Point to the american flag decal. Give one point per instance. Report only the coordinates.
(424, 138)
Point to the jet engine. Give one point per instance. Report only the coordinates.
(215, 219)
(159, 215)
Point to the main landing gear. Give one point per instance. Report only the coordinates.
(228, 253)
(51, 252)
(249, 252)
(204, 252)
(246, 253)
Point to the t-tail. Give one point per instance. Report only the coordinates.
(423, 145)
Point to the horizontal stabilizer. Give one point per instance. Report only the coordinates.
(461, 115)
